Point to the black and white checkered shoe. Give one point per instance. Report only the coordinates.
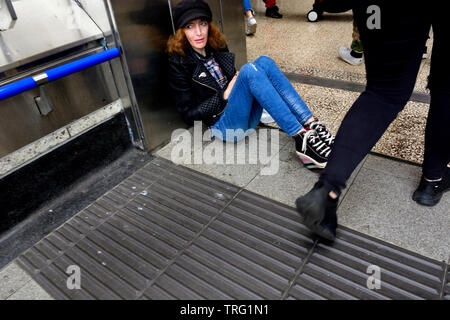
(323, 132)
(312, 151)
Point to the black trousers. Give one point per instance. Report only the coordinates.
(393, 54)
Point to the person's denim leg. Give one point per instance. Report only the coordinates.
(247, 5)
(243, 113)
(295, 103)
(239, 115)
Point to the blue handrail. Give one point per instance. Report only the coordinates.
(53, 74)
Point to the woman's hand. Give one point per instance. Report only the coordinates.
(227, 92)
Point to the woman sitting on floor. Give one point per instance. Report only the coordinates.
(207, 87)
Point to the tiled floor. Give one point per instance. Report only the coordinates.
(377, 200)
(306, 48)
(168, 232)
(311, 48)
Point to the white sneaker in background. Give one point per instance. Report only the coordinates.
(251, 26)
(345, 55)
(266, 117)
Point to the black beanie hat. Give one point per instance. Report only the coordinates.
(188, 10)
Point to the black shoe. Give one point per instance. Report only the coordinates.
(323, 132)
(329, 223)
(430, 193)
(273, 13)
(319, 212)
(312, 151)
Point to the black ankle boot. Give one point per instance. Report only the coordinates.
(273, 13)
(430, 193)
(319, 211)
(329, 222)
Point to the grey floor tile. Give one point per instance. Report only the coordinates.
(12, 278)
(392, 167)
(238, 164)
(31, 291)
(380, 205)
(292, 180)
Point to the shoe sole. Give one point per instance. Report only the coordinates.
(429, 202)
(251, 29)
(312, 218)
(309, 162)
(349, 62)
(269, 16)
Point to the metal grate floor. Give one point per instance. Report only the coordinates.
(169, 232)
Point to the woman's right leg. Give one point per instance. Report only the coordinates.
(254, 81)
(285, 89)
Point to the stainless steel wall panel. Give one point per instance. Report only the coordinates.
(52, 33)
(72, 97)
(143, 27)
(234, 29)
(43, 28)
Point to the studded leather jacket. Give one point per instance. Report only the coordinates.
(197, 93)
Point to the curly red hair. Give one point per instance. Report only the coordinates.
(178, 42)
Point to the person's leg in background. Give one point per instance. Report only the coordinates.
(392, 55)
(435, 179)
(272, 10)
(250, 18)
(354, 54)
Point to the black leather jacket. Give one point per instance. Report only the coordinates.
(197, 93)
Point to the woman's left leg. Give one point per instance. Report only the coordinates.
(241, 115)
(279, 81)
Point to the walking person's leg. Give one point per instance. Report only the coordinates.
(354, 54)
(272, 10)
(248, 7)
(393, 56)
(250, 17)
(435, 180)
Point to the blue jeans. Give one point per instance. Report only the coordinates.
(261, 85)
(247, 5)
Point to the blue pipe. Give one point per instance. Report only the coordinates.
(84, 63)
(17, 87)
(28, 83)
